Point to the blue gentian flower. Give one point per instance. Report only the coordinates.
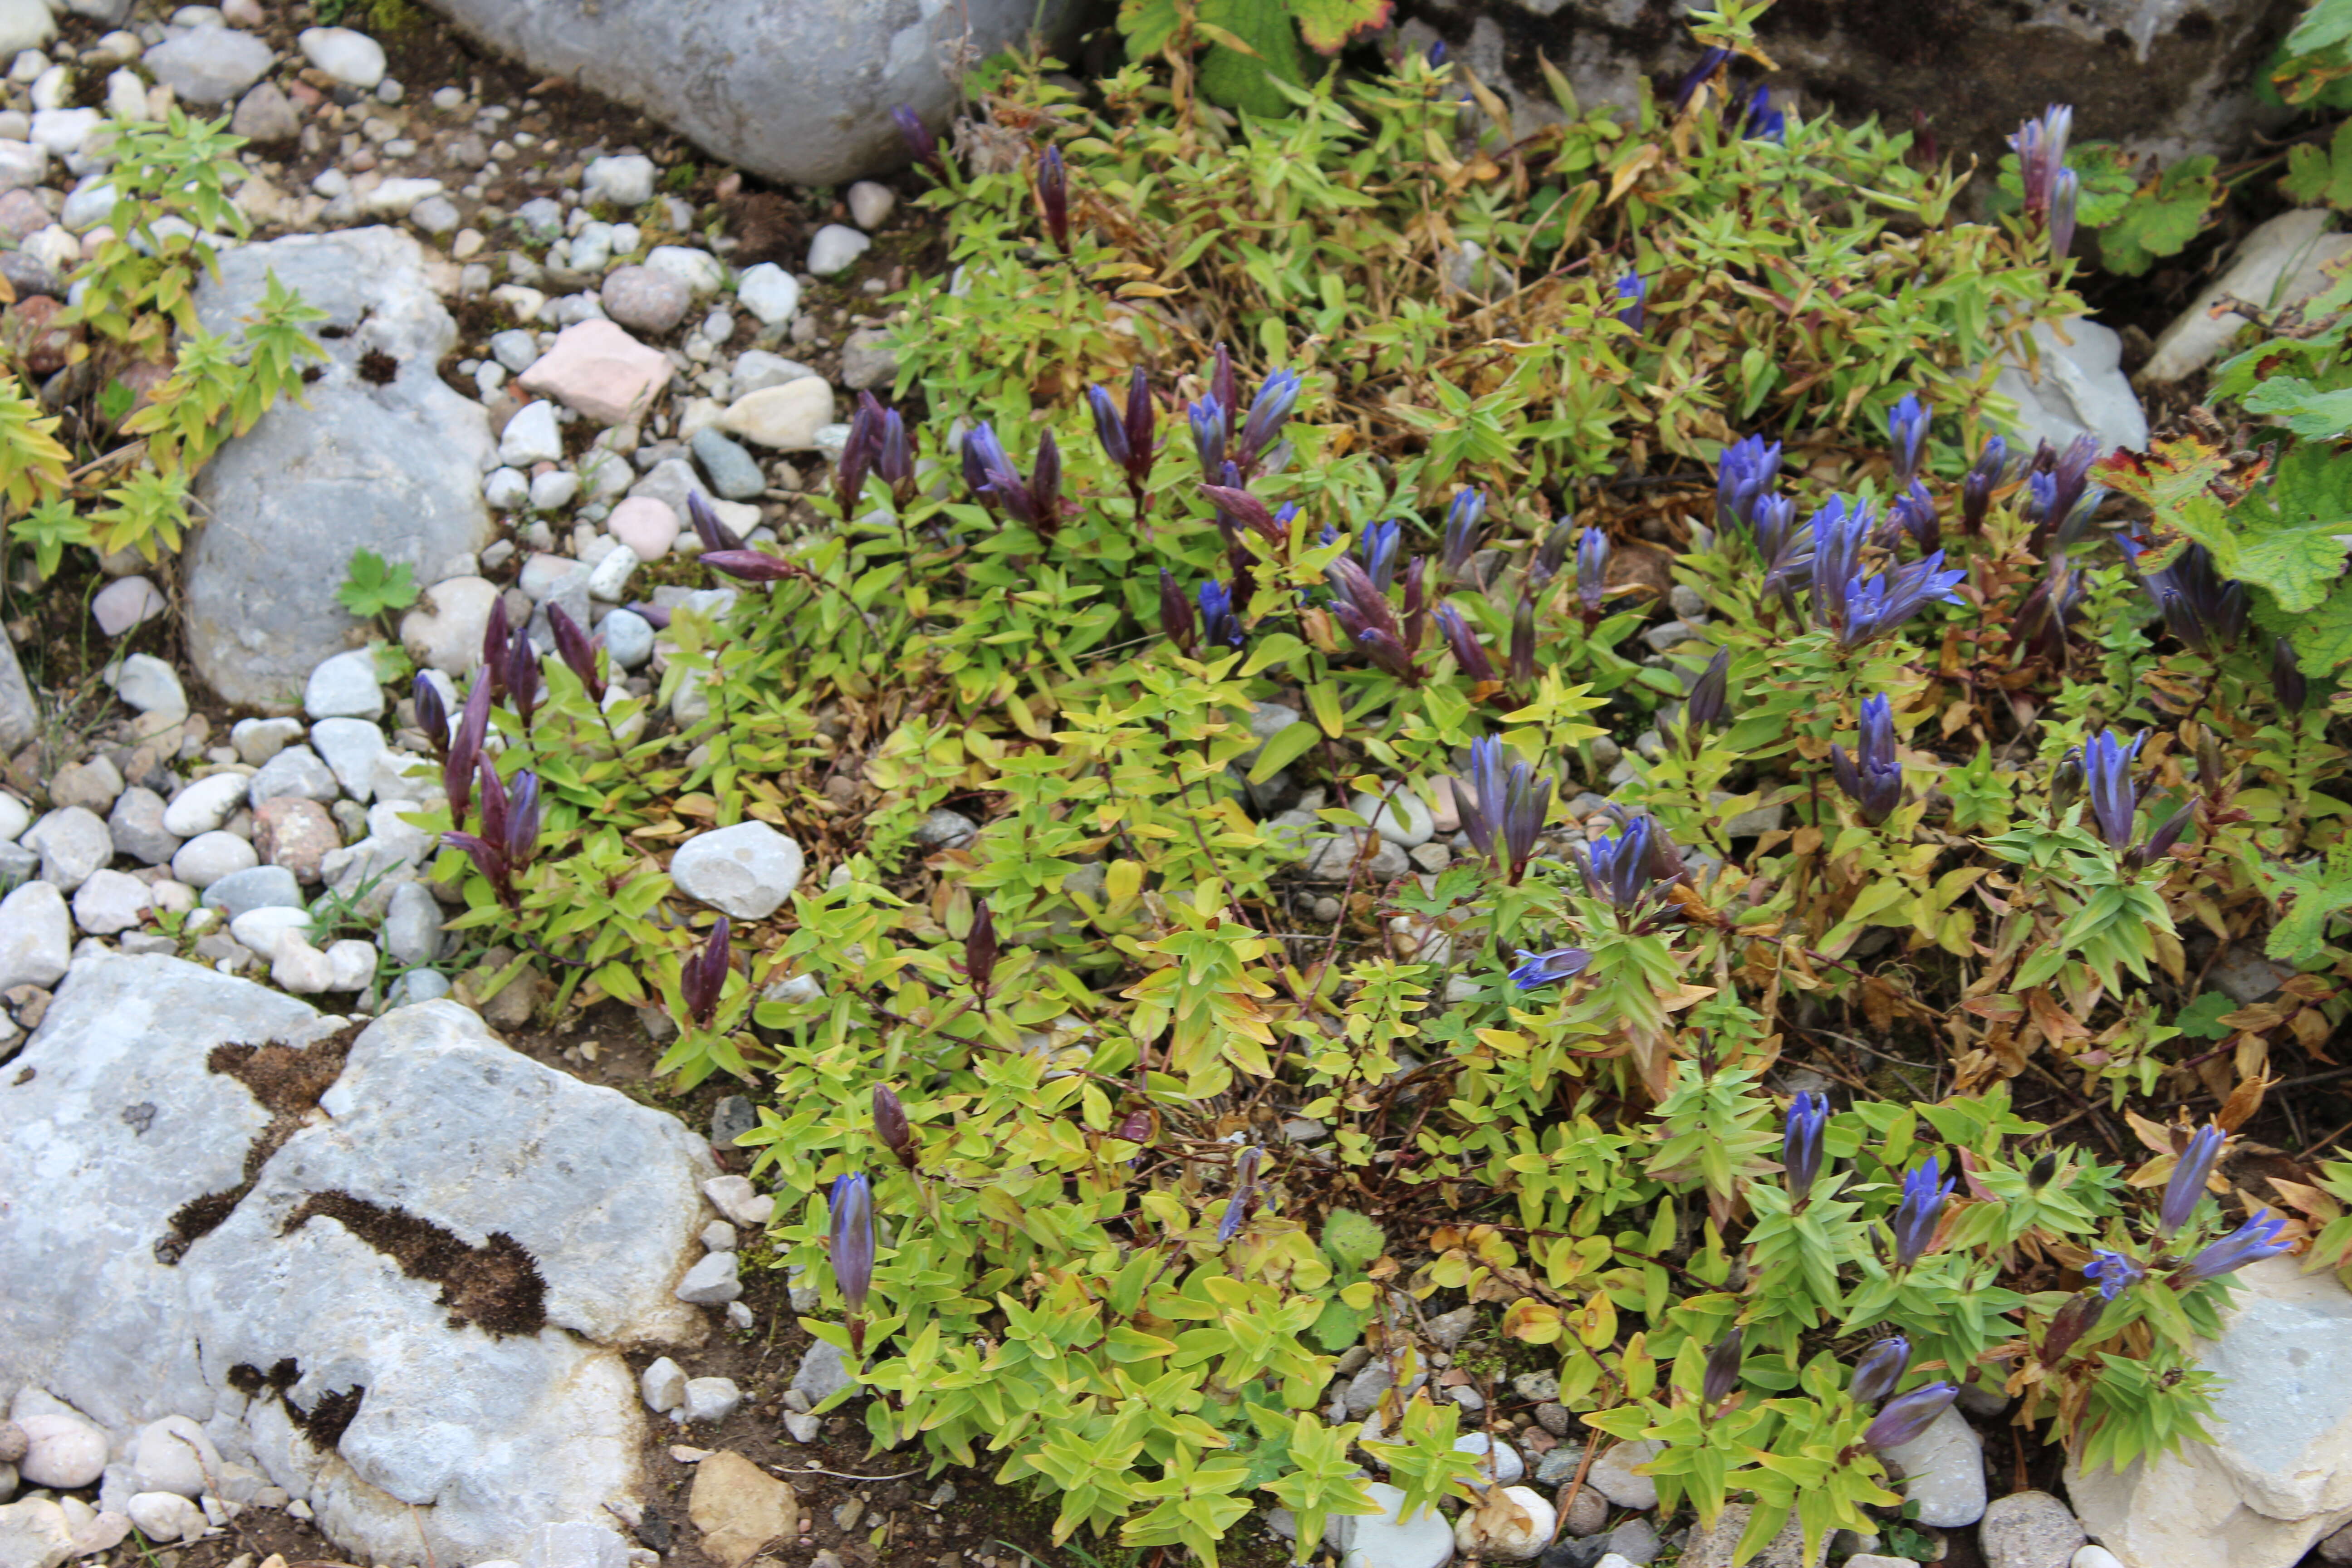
(1462, 519)
(1632, 297)
(2250, 1243)
(1872, 777)
(1377, 548)
(1983, 477)
(1208, 418)
(1503, 806)
(1914, 1224)
(1743, 475)
(1800, 1144)
(1592, 552)
(1218, 622)
(1541, 969)
(1908, 422)
(2191, 1171)
(2112, 1272)
(2041, 147)
(1907, 1417)
(1244, 1185)
(1879, 1370)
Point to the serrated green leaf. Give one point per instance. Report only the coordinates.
(2161, 219)
(2312, 897)
(2304, 408)
(2287, 535)
(2324, 25)
(372, 588)
(1328, 25)
(1348, 1237)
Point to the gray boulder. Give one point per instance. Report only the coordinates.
(445, 1250)
(20, 716)
(796, 91)
(393, 466)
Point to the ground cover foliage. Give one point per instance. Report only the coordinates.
(1413, 421)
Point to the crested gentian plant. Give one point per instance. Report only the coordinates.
(1906, 1416)
(2250, 1243)
(1872, 777)
(1127, 436)
(1881, 1368)
(853, 1249)
(1592, 552)
(2106, 764)
(2191, 1171)
(2041, 148)
(1536, 970)
(1463, 515)
(1984, 476)
(510, 820)
(1906, 422)
(1744, 476)
(702, 977)
(1632, 300)
(1801, 1145)
(2201, 608)
(1914, 1224)
(1503, 807)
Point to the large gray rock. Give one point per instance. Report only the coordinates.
(479, 1398)
(797, 90)
(2278, 1478)
(393, 467)
(2169, 77)
(20, 716)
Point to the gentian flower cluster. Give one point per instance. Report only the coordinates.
(1984, 476)
(1127, 436)
(2106, 764)
(876, 445)
(1365, 613)
(1914, 1224)
(2203, 609)
(1745, 476)
(996, 484)
(1503, 807)
(1219, 625)
(510, 834)
(2041, 148)
(1622, 869)
(1857, 606)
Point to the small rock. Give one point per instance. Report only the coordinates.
(663, 1384)
(712, 1398)
(784, 418)
(768, 292)
(1445, 1331)
(61, 1448)
(822, 1374)
(870, 205)
(1713, 1548)
(944, 829)
(71, 843)
(647, 526)
(711, 1281)
(36, 939)
(2028, 1530)
(1873, 1560)
(868, 360)
(836, 248)
(598, 369)
(746, 871)
(1512, 1525)
(625, 180)
(628, 637)
(1386, 1541)
(345, 687)
(1588, 1513)
(352, 58)
(740, 1510)
(700, 271)
(173, 1455)
(444, 632)
(718, 1237)
(532, 435)
(256, 888)
(163, 1517)
(1612, 1476)
(207, 802)
(1944, 1471)
(609, 581)
(149, 685)
(553, 492)
(1507, 1465)
(208, 856)
(300, 968)
(125, 603)
(265, 115)
(733, 472)
(352, 749)
(92, 785)
(295, 834)
(258, 740)
(296, 771)
(208, 66)
(1397, 816)
(757, 370)
(412, 925)
(109, 902)
(735, 1197)
(646, 298)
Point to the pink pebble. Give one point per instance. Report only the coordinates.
(125, 603)
(646, 525)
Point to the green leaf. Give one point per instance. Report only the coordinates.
(2312, 897)
(372, 587)
(1329, 25)
(2306, 409)
(1238, 82)
(1349, 1239)
(1286, 745)
(2324, 25)
(2285, 536)
(2160, 219)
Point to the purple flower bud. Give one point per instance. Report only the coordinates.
(1469, 653)
(919, 139)
(1703, 710)
(703, 976)
(980, 948)
(1054, 197)
(465, 745)
(890, 1125)
(1873, 778)
(1593, 552)
(2191, 1171)
(1176, 619)
(893, 458)
(751, 565)
(1800, 1144)
(1110, 429)
(1914, 1224)
(1632, 300)
(857, 453)
(853, 1245)
(1983, 477)
(1277, 395)
(494, 804)
(1503, 807)
(2287, 685)
(1046, 484)
(2041, 148)
(997, 483)
(496, 634)
(1907, 1416)
(1880, 1369)
(1523, 641)
(487, 858)
(522, 677)
(433, 716)
(2065, 191)
(1914, 511)
(2078, 1317)
(1744, 475)
(1908, 422)
(1551, 555)
(1219, 625)
(714, 534)
(1722, 1368)
(522, 820)
(1208, 420)
(1244, 1185)
(1462, 519)
(572, 645)
(1536, 970)
(2250, 1243)
(1699, 75)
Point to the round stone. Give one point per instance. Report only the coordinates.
(345, 687)
(444, 632)
(785, 418)
(836, 248)
(61, 1451)
(109, 902)
(644, 524)
(350, 57)
(256, 888)
(207, 857)
(745, 871)
(628, 637)
(207, 804)
(768, 292)
(260, 930)
(646, 298)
